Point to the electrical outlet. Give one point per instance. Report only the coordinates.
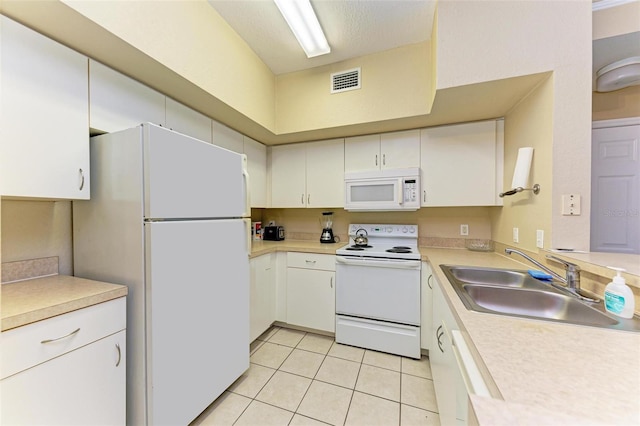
(516, 238)
(464, 229)
(540, 238)
(571, 205)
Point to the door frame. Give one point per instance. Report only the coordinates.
(616, 122)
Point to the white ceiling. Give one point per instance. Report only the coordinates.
(353, 28)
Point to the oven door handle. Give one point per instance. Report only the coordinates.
(380, 263)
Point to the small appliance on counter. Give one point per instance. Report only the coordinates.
(273, 233)
(327, 233)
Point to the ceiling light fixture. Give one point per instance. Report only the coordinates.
(618, 75)
(305, 26)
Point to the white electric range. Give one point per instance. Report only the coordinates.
(378, 289)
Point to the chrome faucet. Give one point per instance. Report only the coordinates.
(572, 279)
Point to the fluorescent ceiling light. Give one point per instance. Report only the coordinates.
(305, 26)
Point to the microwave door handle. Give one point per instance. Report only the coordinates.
(400, 192)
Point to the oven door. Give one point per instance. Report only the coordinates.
(382, 289)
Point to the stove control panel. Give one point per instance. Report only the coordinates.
(385, 230)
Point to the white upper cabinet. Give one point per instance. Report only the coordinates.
(288, 176)
(325, 173)
(44, 148)
(396, 150)
(257, 167)
(227, 138)
(118, 102)
(183, 119)
(462, 164)
(308, 174)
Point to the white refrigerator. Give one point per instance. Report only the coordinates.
(169, 217)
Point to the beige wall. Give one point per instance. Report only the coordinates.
(395, 84)
(498, 39)
(35, 229)
(438, 222)
(192, 39)
(530, 123)
(623, 103)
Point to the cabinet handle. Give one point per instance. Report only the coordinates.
(308, 199)
(302, 199)
(424, 196)
(81, 179)
(119, 354)
(376, 159)
(331, 282)
(384, 159)
(60, 338)
(439, 334)
(313, 262)
(429, 282)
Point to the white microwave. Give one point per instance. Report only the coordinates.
(382, 190)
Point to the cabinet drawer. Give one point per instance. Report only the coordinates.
(323, 262)
(32, 344)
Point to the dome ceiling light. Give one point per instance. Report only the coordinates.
(618, 75)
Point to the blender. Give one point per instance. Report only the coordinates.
(327, 233)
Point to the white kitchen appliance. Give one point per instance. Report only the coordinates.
(169, 218)
(378, 290)
(382, 190)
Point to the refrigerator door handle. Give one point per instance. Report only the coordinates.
(245, 175)
(247, 230)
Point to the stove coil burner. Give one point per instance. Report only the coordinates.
(355, 247)
(399, 249)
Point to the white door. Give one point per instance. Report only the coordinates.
(362, 153)
(189, 178)
(197, 289)
(400, 150)
(615, 189)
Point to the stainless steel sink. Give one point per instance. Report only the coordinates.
(516, 293)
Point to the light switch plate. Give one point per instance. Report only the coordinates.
(464, 229)
(516, 238)
(571, 205)
(540, 238)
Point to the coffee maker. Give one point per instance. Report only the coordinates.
(327, 233)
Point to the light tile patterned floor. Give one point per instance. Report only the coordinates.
(299, 378)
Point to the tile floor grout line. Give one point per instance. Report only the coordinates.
(353, 391)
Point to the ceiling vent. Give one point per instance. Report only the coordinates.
(345, 80)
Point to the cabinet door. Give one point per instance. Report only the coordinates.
(262, 295)
(44, 149)
(362, 153)
(459, 166)
(311, 299)
(442, 358)
(183, 119)
(257, 165)
(400, 150)
(227, 138)
(118, 102)
(426, 306)
(288, 176)
(325, 173)
(83, 387)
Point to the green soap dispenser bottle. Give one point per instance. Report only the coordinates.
(618, 297)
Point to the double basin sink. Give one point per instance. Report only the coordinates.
(516, 293)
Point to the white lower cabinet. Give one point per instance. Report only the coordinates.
(262, 294)
(455, 372)
(426, 306)
(311, 291)
(67, 370)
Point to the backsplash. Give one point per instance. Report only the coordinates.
(437, 227)
(26, 269)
